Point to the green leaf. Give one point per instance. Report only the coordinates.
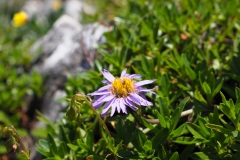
(162, 153)
(219, 128)
(223, 98)
(185, 60)
(160, 137)
(165, 84)
(43, 148)
(214, 117)
(186, 152)
(196, 131)
(218, 88)
(147, 146)
(144, 63)
(199, 97)
(185, 140)
(203, 156)
(190, 73)
(73, 147)
(162, 121)
(4, 118)
(175, 156)
(64, 134)
(202, 125)
(229, 111)
(177, 113)
(52, 145)
(179, 131)
(237, 91)
(163, 108)
(175, 117)
(206, 88)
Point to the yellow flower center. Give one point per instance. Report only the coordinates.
(122, 87)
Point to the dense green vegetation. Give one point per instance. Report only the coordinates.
(190, 47)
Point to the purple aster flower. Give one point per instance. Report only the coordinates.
(120, 93)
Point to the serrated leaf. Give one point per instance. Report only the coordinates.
(223, 98)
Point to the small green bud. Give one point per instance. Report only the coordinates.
(71, 113)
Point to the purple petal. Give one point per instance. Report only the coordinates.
(134, 99)
(146, 90)
(104, 98)
(123, 72)
(97, 98)
(96, 93)
(126, 75)
(135, 76)
(118, 105)
(108, 98)
(106, 81)
(114, 105)
(130, 104)
(108, 75)
(122, 105)
(141, 83)
(98, 105)
(138, 99)
(104, 88)
(107, 106)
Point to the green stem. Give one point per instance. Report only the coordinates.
(101, 121)
(20, 141)
(104, 126)
(96, 113)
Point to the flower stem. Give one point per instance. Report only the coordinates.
(88, 100)
(21, 142)
(79, 96)
(101, 121)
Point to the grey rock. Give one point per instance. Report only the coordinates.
(74, 8)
